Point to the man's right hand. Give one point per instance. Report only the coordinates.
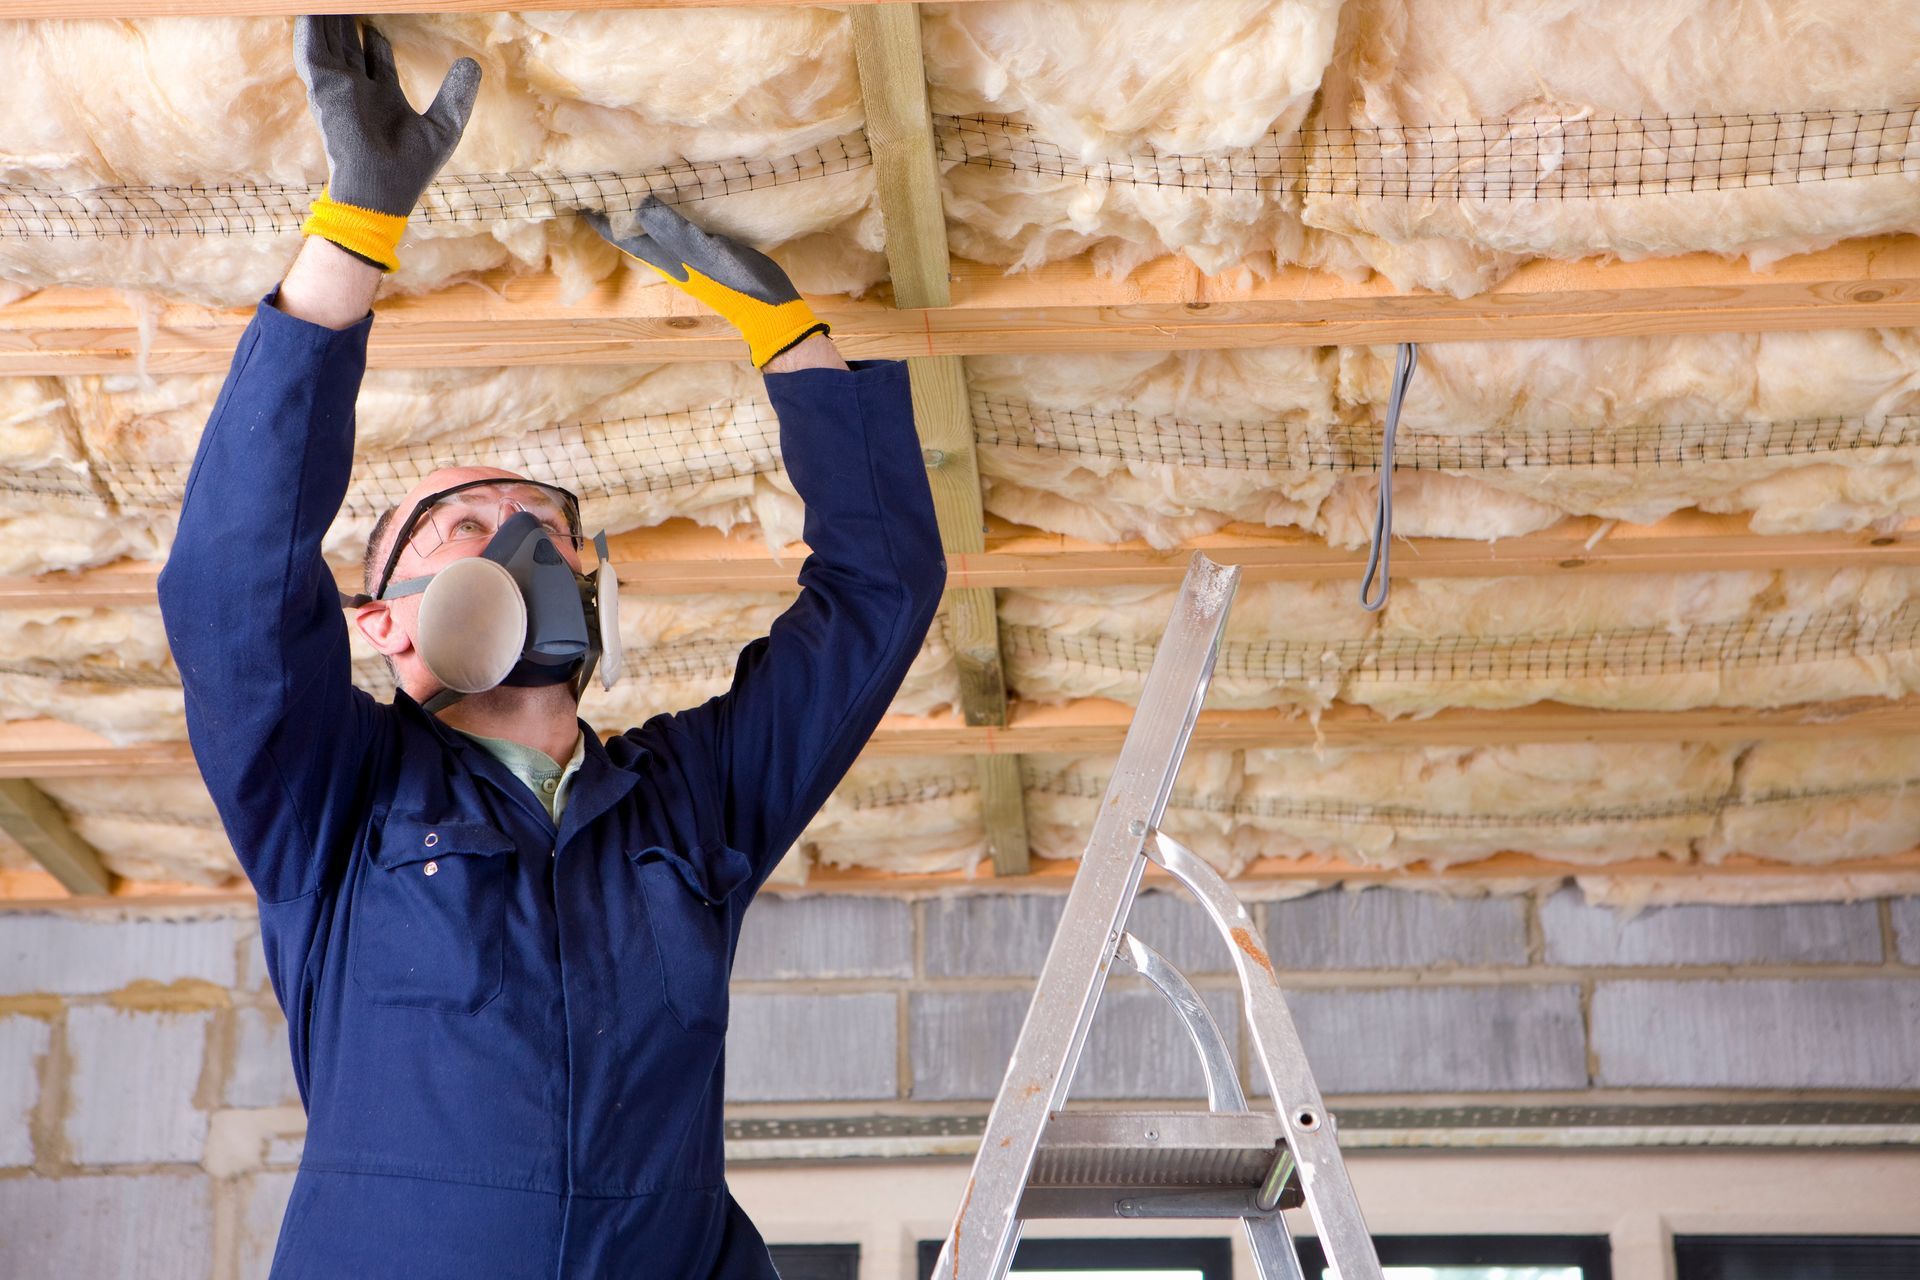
(381, 154)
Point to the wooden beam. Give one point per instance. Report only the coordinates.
(1166, 305)
(893, 90)
(1098, 726)
(39, 826)
(49, 749)
(681, 558)
(25, 890)
(1684, 542)
(1056, 874)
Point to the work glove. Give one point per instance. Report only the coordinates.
(381, 154)
(744, 285)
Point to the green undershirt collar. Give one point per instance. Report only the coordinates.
(548, 781)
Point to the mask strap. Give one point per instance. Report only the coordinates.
(594, 647)
(406, 587)
(441, 700)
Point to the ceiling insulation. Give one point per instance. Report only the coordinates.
(1245, 134)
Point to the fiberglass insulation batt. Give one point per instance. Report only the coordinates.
(1804, 431)
(591, 109)
(1441, 142)
(1634, 129)
(1646, 642)
(1449, 142)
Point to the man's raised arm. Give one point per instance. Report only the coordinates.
(251, 609)
(757, 762)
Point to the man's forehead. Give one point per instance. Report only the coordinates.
(448, 477)
(523, 492)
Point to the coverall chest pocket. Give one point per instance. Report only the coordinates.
(428, 919)
(690, 935)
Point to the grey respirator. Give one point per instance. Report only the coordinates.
(516, 614)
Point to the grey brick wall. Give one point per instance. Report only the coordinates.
(24, 1041)
(812, 1047)
(262, 1073)
(1812, 933)
(79, 955)
(996, 936)
(825, 937)
(1858, 1034)
(1491, 1039)
(961, 1041)
(1906, 929)
(154, 1226)
(1393, 929)
(134, 1078)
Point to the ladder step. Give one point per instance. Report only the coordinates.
(1143, 1150)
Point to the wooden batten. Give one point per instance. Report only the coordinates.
(1097, 726)
(682, 558)
(1166, 305)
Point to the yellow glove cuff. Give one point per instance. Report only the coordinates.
(768, 328)
(374, 236)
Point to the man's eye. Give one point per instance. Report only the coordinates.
(467, 528)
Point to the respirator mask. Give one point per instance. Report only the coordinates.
(520, 612)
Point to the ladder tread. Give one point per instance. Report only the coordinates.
(1156, 1149)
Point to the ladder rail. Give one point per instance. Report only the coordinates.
(980, 1243)
(1290, 1083)
(1216, 1062)
(1272, 1245)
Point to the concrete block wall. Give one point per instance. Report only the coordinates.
(143, 1077)
(149, 1123)
(1394, 992)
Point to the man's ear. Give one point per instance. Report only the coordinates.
(382, 630)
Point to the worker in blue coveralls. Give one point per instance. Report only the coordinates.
(501, 945)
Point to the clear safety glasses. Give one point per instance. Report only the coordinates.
(468, 515)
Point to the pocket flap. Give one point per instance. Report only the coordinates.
(713, 872)
(407, 838)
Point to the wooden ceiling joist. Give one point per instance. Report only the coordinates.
(893, 89)
(682, 558)
(1095, 726)
(1166, 305)
(36, 823)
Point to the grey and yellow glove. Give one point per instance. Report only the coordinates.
(745, 286)
(381, 153)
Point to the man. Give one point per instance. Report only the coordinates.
(503, 947)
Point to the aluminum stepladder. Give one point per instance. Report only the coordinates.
(1035, 1159)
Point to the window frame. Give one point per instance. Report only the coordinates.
(1705, 1257)
(816, 1261)
(1592, 1254)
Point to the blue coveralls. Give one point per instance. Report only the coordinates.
(512, 1066)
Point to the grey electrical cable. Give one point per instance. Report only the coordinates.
(1380, 553)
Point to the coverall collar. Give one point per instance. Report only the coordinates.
(597, 787)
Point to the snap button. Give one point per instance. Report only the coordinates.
(433, 838)
(432, 867)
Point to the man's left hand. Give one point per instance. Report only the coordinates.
(744, 285)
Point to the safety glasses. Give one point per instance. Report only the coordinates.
(470, 514)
